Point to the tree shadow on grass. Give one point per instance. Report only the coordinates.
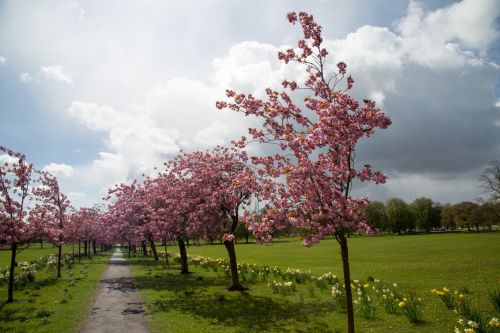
(195, 296)
(171, 280)
(14, 314)
(145, 262)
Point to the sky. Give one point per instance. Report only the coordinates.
(100, 92)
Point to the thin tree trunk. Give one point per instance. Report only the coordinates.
(344, 251)
(184, 259)
(88, 250)
(79, 248)
(73, 244)
(166, 253)
(59, 257)
(94, 247)
(234, 267)
(144, 248)
(41, 244)
(153, 249)
(85, 248)
(10, 293)
(129, 249)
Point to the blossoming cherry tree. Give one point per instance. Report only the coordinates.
(308, 184)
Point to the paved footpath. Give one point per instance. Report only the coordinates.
(116, 308)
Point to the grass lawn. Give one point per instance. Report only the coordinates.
(198, 302)
(50, 305)
(31, 252)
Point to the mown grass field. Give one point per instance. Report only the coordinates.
(198, 302)
(32, 251)
(50, 305)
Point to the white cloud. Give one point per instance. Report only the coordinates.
(371, 48)
(7, 159)
(3, 60)
(80, 12)
(178, 114)
(59, 169)
(78, 199)
(378, 97)
(26, 77)
(442, 39)
(56, 73)
(134, 141)
(96, 117)
(213, 135)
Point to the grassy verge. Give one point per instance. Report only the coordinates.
(51, 305)
(199, 302)
(32, 251)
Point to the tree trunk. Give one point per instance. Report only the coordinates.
(129, 249)
(41, 244)
(59, 258)
(477, 227)
(234, 267)
(153, 249)
(88, 250)
(94, 247)
(344, 251)
(79, 254)
(144, 248)
(184, 259)
(85, 248)
(10, 293)
(73, 244)
(247, 235)
(166, 253)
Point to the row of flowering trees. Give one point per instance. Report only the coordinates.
(200, 194)
(32, 207)
(306, 183)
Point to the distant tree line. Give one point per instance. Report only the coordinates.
(424, 214)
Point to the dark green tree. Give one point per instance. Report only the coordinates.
(427, 213)
(463, 213)
(376, 216)
(400, 216)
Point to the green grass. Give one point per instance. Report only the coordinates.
(50, 305)
(199, 302)
(32, 251)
